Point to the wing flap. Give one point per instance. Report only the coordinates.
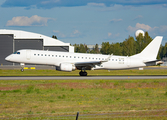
(89, 63)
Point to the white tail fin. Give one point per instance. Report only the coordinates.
(151, 50)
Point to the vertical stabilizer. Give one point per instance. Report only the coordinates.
(150, 52)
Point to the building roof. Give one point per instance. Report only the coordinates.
(47, 41)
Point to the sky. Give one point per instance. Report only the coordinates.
(86, 21)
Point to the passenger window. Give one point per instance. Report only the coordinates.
(45, 55)
(66, 56)
(41, 54)
(59, 55)
(56, 55)
(52, 55)
(35, 54)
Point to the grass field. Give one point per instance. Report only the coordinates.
(93, 99)
(76, 72)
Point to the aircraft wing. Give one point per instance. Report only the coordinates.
(92, 63)
(89, 63)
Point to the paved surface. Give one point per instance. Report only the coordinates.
(18, 67)
(39, 67)
(80, 77)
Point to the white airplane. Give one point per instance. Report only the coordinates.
(65, 61)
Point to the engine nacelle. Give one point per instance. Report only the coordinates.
(66, 67)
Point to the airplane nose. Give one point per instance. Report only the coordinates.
(8, 58)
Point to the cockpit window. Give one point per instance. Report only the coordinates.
(16, 52)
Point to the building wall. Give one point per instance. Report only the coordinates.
(57, 48)
(28, 44)
(6, 48)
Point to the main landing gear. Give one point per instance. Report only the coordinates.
(83, 73)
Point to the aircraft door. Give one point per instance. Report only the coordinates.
(28, 54)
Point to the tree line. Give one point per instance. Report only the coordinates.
(128, 47)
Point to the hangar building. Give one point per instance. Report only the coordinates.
(13, 40)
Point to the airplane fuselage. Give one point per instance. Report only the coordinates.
(56, 58)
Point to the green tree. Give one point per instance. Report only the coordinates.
(129, 46)
(96, 49)
(116, 48)
(147, 39)
(163, 51)
(76, 48)
(54, 36)
(82, 48)
(139, 43)
(106, 48)
(159, 52)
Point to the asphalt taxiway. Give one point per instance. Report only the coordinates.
(43, 67)
(80, 77)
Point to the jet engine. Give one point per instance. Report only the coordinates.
(66, 67)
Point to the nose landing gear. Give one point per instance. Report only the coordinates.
(22, 66)
(22, 69)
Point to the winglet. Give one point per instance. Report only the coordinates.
(107, 59)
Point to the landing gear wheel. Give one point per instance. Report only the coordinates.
(22, 69)
(83, 73)
(22, 66)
